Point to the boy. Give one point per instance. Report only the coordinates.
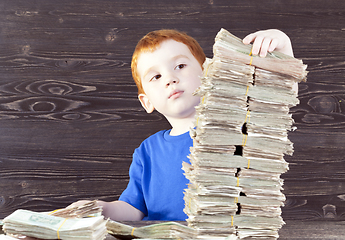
(166, 67)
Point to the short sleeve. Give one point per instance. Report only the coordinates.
(133, 194)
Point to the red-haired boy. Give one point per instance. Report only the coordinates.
(166, 67)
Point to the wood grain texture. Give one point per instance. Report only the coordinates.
(69, 114)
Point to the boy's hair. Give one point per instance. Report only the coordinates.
(151, 42)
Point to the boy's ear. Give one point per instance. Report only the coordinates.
(146, 103)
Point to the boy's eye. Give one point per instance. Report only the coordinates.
(180, 66)
(158, 76)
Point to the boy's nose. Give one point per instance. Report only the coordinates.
(172, 80)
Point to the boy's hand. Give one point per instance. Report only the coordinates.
(269, 40)
(78, 203)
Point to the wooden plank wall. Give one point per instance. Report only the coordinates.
(69, 115)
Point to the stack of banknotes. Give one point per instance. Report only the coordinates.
(47, 226)
(240, 139)
(161, 230)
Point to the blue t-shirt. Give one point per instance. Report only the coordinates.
(156, 179)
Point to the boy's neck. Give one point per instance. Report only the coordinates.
(180, 126)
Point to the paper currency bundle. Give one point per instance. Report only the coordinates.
(70, 226)
(240, 141)
(163, 230)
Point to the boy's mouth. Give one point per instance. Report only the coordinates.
(175, 94)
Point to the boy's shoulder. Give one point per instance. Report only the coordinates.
(154, 139)
(158, 135)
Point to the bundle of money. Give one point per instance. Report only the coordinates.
(164, 230)
(43, 226)
(89, 208)
(239, 142)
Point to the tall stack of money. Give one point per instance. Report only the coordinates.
(240, 139)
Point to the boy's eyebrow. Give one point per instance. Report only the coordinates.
(147, 71)
(180, 56)
(174, 58)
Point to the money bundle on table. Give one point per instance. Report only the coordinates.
(240, 140)
(44, 226)
(163, 230)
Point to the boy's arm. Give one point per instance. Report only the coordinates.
(269, 40)
(120, 211)
(116, 210)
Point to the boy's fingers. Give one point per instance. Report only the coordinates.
(249, 38)
(257, 45)
(273, 45)
(266, 42)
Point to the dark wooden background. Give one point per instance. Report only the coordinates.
(70, 118)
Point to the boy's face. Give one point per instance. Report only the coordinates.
(169, 76)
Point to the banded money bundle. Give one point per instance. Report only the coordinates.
(43, 226)
(240, 139)
(163, 230)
